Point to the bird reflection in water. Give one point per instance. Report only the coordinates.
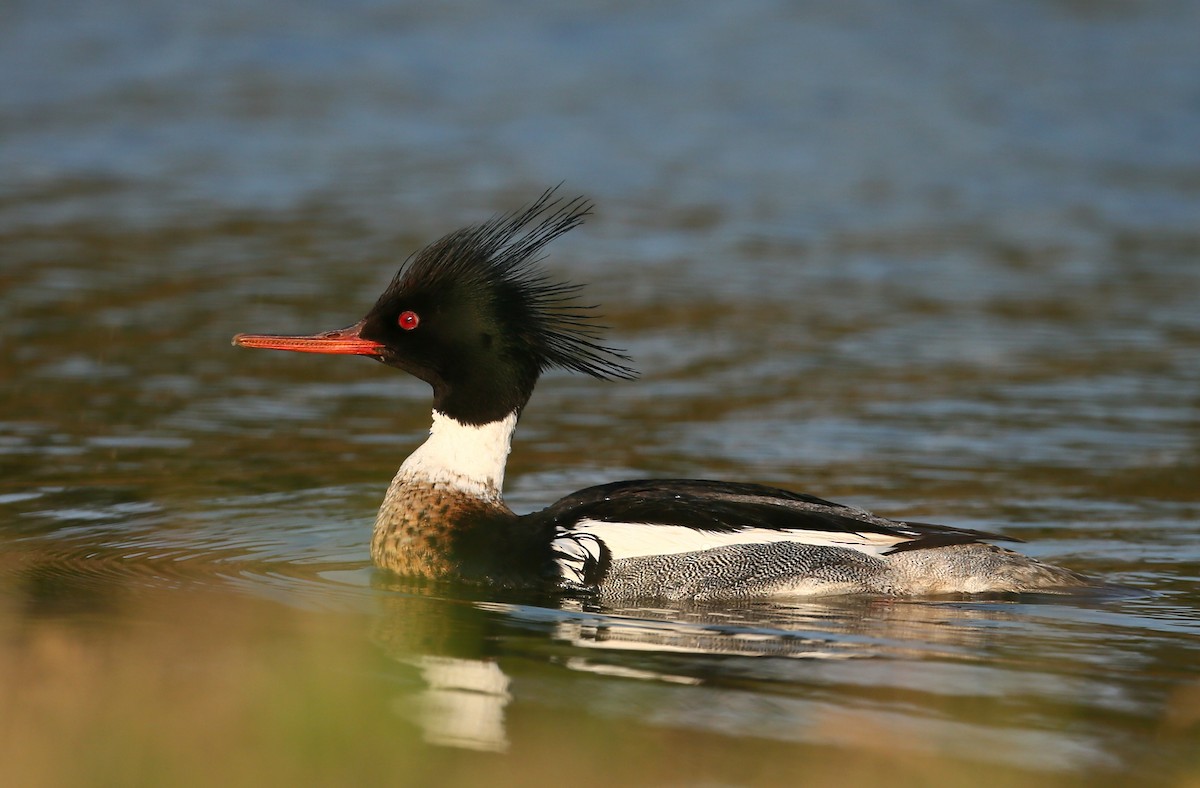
(474, 659)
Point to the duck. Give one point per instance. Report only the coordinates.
(477, 317)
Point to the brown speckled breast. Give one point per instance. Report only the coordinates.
(438, 532)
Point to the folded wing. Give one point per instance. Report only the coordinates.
(599, 525)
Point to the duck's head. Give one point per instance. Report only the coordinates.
(475, 316)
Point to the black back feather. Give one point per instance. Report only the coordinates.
(732, 506)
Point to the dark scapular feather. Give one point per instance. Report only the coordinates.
(730, 506)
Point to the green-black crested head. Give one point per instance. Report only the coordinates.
(476, 316)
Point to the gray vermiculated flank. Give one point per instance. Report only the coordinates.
(783, 569)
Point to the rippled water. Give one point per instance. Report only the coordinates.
(940, 261)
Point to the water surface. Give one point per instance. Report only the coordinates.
(937, 261)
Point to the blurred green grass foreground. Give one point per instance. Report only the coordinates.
(204, 687)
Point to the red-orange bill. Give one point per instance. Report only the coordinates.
(345, 340)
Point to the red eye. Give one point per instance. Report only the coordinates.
(408, 320)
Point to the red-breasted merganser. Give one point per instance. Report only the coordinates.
(475, 317)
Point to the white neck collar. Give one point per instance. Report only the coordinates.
(466, 457)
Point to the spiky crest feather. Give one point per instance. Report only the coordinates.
(498, 259)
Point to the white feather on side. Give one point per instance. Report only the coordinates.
(573, 552)
(633, 540)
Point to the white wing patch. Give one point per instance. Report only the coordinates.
(633, 540)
